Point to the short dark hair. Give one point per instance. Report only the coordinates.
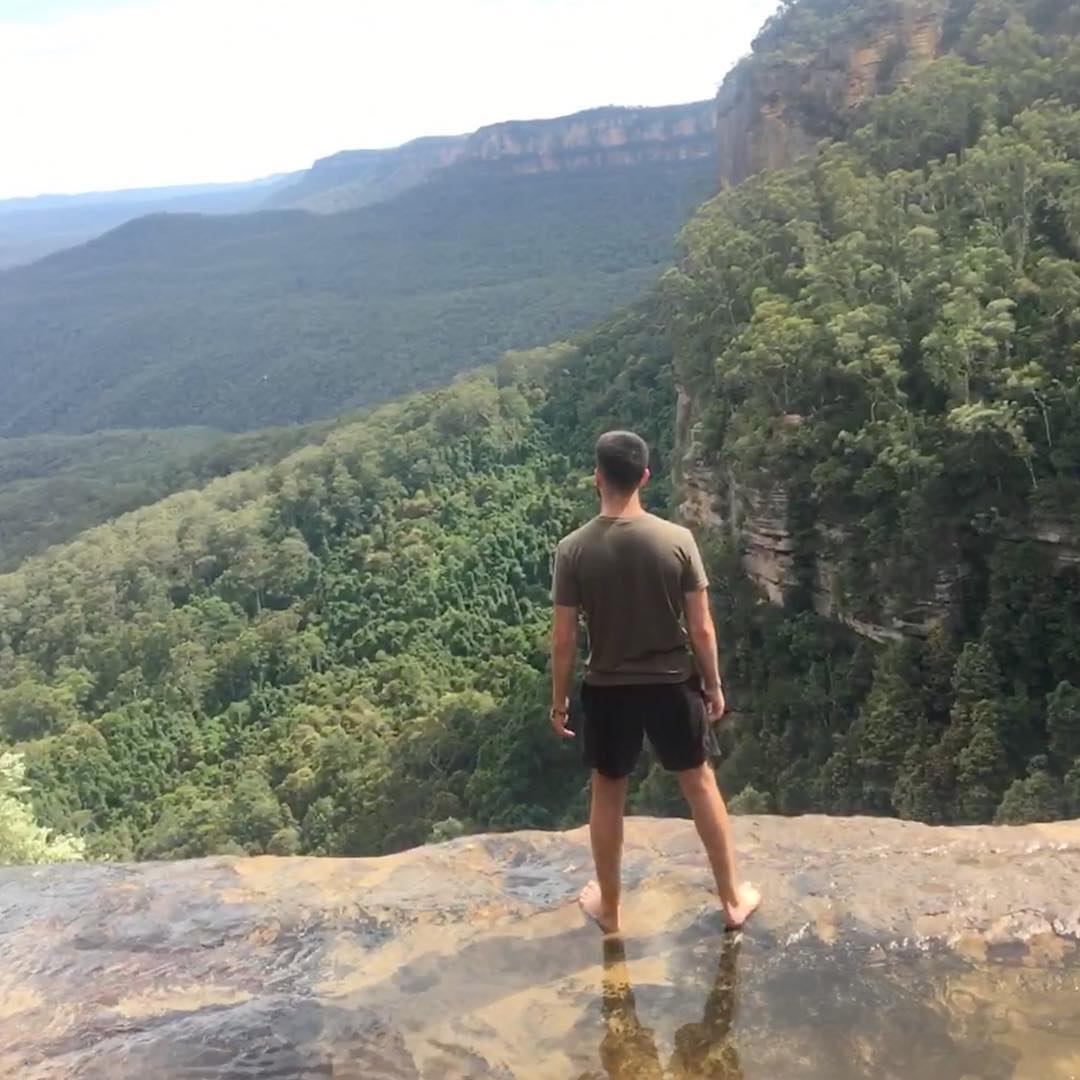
(622, 458)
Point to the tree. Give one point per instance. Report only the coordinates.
(30, 709)
(750, 801)
(892, 720)
(1071, 791)
(982, 768)
(1037, 797)
(923, 790)
(976, 676)
(1063, 725)
(255, 818)
(22, 839)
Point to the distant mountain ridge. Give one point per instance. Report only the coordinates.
(236, 322)
(603, 138)
(608, 137)
(31, 228)
(354, 178)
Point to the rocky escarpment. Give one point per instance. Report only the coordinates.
(354, 178)
(884, 949)
(756, 521)
(773, 109)
(595, 139)
(755, 518)
(598, 138)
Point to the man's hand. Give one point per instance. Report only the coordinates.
(714, 702)
(560, 716)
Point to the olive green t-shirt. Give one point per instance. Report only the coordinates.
(629, 575)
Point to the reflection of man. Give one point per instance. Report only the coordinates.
(628, 1051)
(637, 577)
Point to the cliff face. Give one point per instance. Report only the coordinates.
(597, 139)
(355, 178)
(471, 960)
(754, 515)
(772, 108)
(770, 112)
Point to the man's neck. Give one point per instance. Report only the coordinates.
(621, 506)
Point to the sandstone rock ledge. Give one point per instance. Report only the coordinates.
(885, 949)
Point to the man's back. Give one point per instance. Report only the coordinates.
(630, 574)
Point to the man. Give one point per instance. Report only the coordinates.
(638, 577)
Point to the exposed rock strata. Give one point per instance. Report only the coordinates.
(596, 139)
(764, 118)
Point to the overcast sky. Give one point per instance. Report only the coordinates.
(106, 94)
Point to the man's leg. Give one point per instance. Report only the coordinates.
(713, 826)
(600, 898)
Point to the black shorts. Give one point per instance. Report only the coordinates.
(616, 717)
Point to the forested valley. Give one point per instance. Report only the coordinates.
(344, 650)
(285, 317)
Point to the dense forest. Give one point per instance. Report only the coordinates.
(343, 653)
(282, 317)
(52, 487)
(344, 650)
(887, 334)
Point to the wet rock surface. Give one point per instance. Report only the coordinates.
(884, 949)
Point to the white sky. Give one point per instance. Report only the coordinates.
(106, 94)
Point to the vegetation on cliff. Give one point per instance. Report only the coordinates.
(887, 333)
(344, 650)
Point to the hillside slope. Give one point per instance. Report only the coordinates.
(279, 317)
(52, 487)
(864, 378)
(32, 228)
(878, 422)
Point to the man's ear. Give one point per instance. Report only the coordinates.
(596, 479)
(645, 477)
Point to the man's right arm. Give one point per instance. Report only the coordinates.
(702, 631)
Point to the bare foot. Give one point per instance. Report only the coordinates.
(590, 903)
(735, 915)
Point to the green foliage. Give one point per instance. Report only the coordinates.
(343, 650)
(885, 334)
(342, 653)
(22, 839)
(750, 801)
(52, 487)
(1063, 725)
(1037, 797)
(982, 768)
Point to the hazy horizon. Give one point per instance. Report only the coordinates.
(130, 94)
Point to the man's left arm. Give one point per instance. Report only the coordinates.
(564, 631)
(564, 634)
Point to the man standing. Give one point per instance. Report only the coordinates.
(638, 577)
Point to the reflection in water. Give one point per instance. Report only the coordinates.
(705, 1049)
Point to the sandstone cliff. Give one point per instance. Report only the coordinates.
(775, 106)
(884, 949)
(799, 87)
(771, 110)
(753, 513)
(596, 139)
